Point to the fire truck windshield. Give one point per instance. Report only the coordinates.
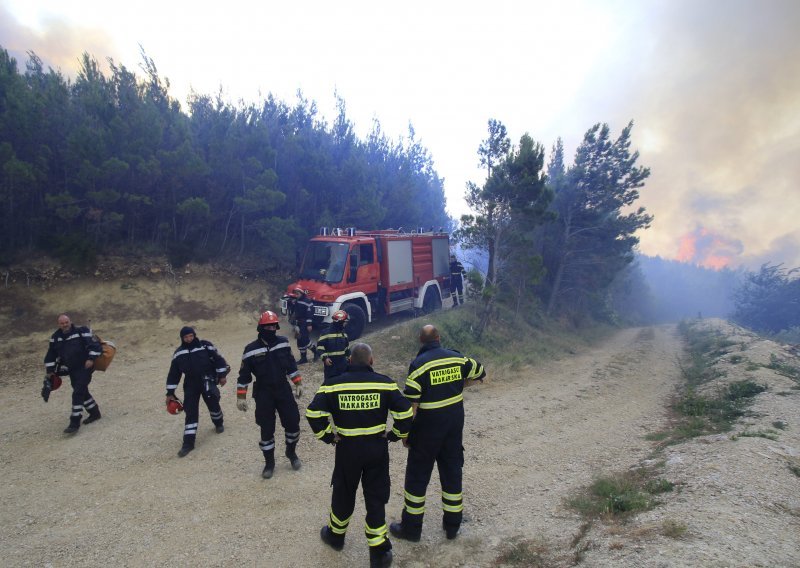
(324, 261)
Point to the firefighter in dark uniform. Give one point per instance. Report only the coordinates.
(75, 348)
(301, 312)
(456, 281)
(435, 383)
(269, 358)
(334, 347)
(358, 403)
(203, 368)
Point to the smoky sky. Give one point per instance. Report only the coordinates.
(713, 87)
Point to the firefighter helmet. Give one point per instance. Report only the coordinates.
(340, 316)
(269, 318)
(174, 406)
(297, 289)
(55, 382)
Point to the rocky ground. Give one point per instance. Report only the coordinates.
(117, 494)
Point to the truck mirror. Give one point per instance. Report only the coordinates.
(353, 268)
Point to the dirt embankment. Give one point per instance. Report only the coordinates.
(116, 493)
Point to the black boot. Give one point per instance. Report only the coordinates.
(185, 449)
(399, 531)
(314, 350)
(269, 467)
(74, 424)
(94, 415)
(331, 539)
(303, 359)
(292, 455)
(380, 558)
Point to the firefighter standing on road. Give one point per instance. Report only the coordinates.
(456, 280)
(435, 384)
(74, 347)
(301, 312)
(358, 402)
(203, 367)
(333, 346)
(269, 358)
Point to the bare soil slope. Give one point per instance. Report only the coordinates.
(117, 494)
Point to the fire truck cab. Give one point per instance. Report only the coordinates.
(373, 273)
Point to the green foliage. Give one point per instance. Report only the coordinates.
(113, 155)
(783, 368)
(673, 529)
(528, 553)
(619, 494)
(769, 434)
(75, 251)
(769, 300)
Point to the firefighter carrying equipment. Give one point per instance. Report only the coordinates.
(174, 406)
(109, 349)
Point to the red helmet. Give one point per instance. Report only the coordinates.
(174, 406)
(55, 382)
(340, 315)
(268, 318)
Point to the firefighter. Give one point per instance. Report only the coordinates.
(333, 346)
(436, 379)
(269, 358)
(73, 350)
(456, 280)
(203, 368)
(301, 313)
(358, 402)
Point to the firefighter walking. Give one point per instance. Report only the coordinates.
(73, 350)
(334, 347)
(203, 368)
(358, 402)
(269, 359)
(301, 312)
(435, 384)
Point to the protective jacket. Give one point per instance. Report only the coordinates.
(359, 402)
(197, 361)
(456, 271)
(333, 344)
(72, 348)
(436, 378)
(270, 360)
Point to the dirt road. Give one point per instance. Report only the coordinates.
(116, 493)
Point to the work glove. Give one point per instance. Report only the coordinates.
(47, 386)
(298, 389)
(241, 399)
(391, 436)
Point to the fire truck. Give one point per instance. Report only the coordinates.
(373, 273)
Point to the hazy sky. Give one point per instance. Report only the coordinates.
(713, 87)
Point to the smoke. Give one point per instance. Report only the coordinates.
(57, 43)
(714, 90)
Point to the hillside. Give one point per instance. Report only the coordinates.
(116, 493)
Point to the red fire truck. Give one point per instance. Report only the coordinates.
(372, 273)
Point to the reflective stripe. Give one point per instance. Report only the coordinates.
(452, 508)
(316, 413)
(447, 361)
(441, 403)
(402, 415)
(342, 523)
(413, 384)
(358, 386)
(282, 345)
(362, 431)
(452, 496)
(321, 434)
(50, 364)
(222, 370)
(399, 434)
(332, 336)
(413, 498)
(267, 445)
(415, 510)
(172, 387)
(333, 353)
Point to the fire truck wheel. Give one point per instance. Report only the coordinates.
(432, 301)
(356, 320)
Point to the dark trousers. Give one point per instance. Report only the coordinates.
(191, 406)
(303, 339)
(281, 400)
(457, 290)
(434, 439)
(337, 368)
(364, 460)
(81, 398)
